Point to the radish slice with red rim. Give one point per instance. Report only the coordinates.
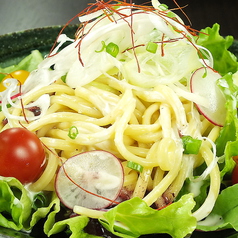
(204, 83)
(91, 179)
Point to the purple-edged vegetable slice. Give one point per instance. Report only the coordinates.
(204, 83)
(91, 179)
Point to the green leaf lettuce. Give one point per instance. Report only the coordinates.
(224, 213)
(224, 60)
(134, 218)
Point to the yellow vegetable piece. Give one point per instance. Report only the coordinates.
(20, 75)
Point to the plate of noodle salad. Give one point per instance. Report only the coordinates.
(125, 127)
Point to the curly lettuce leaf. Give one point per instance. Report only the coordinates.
(15, 204)
(44, 210)
(74, 225)
(199, 189)
(29, 63)
(18, 207)
(227, 142)
(224, 60)
(134, 218)
(224, 213)
(229, 131)
(19, 210)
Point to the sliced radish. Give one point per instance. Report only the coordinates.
(204, 83)
(91, 179)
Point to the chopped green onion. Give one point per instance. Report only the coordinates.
(191, 145)
(152, 47)
(8, 106)
(205, 73)
(73, 132)
(103, 47)
(112, 49)
(134, 166)
(171, 15)
(163, 7)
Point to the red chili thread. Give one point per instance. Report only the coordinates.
(160, 208)
(22, 105)
(108, 9)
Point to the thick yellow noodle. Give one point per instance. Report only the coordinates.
(138, 125)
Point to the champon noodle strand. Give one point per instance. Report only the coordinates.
(130, 138)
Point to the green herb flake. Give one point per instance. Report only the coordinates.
(163, 7)
(112, 49)
(73, 132)
(103, 47)
(134, 166)
(171, 15)
(205, 73)
(191, 145)
(8, 106)
(152, 47)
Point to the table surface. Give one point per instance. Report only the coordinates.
(18, 15)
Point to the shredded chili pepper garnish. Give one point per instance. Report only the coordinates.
(109, 8)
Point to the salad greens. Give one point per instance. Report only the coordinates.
(191, 145)
(227, 143)
(224, 60)
(21, 210)
(224, 213)
(133, 218)
(29, 63)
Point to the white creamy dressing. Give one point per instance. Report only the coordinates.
(212, 220)
(195, 187)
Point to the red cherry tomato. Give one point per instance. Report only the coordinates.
(21, 155)
(234, 177)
